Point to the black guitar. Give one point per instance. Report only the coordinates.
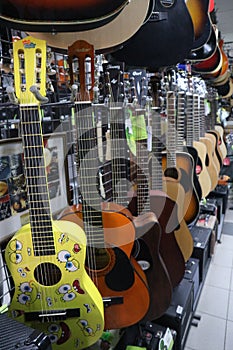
(161, 40)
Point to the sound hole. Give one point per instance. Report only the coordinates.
(171, 172)
(98, 258)
(47, 274)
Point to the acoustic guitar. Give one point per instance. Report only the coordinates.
(199, 12)
(200, 135)
(109, 228)
(178, 165)
(46, 258)
(107, 35)
(57, 16)
(164, 41)
(148, 236)
(192, 139)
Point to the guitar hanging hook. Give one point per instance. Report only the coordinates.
(38, 95)
(11, 94)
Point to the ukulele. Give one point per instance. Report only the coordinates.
(54, 293)
(110, 230)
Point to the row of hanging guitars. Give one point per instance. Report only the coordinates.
(135, 159)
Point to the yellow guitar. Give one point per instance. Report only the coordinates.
(46, 258)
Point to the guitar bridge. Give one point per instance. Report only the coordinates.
(108, 301)
(51, 316)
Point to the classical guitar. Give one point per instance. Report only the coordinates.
(57, 16)
(109, 228)
(103, 37)
(46, 258)
(160, 41)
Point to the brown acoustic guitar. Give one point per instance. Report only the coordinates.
(155, 199)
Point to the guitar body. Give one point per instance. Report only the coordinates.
(147, 253)
(113, 33)
(211, 167)
(222, 145)
(204, 176)
(184, 164)
(198, 10)
(116, 273)
(67, 289)
(193, 153)
(160, 205)
(182, 234)
(218, 152)
(165, 41)
(216, 157)
(206, 51)
(57, 15)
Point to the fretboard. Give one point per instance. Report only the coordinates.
(190, 115)
(37, 187)
(157, 147)
(171, 132)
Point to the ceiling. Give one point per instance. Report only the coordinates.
(224, 13)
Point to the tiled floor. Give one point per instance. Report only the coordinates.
(215, 305)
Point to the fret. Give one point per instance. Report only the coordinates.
(88, 165)
(143, 202)
(119, 156)
(190, 114)
(171, 134)
(180, 125)
(37, 187)
(157, 147)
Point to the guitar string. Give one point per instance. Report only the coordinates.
(81, 120)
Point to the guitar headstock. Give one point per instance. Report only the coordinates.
(29, 68)
(139, 86)
(81, 59)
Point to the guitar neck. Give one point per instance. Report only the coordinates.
(191, 115)
(180, 125)
(157, 147)
(171, 132)
(37, 186)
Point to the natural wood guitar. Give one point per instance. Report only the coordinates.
(110, 34)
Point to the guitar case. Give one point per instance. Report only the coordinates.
(16, 335)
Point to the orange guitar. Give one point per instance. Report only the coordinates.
(110, 230)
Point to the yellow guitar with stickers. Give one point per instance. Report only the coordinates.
(46, 258)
